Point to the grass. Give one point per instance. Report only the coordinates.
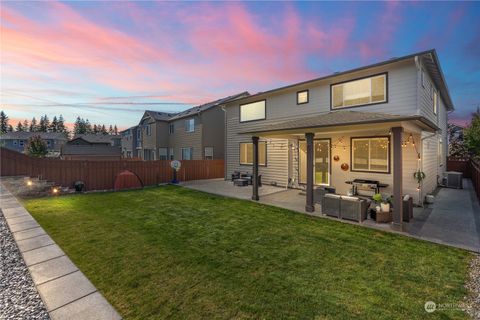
(171, 252)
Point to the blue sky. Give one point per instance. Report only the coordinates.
(109, 61)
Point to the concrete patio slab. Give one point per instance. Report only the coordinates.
(23, 226)
(42, 254)
(51, 269)
(30, 233)
(227, 189)
(91, 307)
(34, 243)
(65, 290)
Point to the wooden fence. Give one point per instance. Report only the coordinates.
(470, 169)
(101, 175)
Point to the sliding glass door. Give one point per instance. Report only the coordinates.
(321, 162)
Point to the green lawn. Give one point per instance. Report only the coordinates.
(170, 252)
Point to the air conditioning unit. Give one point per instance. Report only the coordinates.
(453, 179)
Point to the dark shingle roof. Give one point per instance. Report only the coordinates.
(97, 150)
(26, 135)
(97, 138)
(339, 118)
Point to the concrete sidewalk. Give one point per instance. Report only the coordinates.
(64, 289)
(454, 219)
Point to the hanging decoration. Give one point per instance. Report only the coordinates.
(344, 166)
(336, 158)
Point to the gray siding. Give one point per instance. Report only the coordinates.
(182, 139)
(213, 121)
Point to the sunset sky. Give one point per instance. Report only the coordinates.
(109, 61)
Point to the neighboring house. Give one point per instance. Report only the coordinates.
(18, 140)
(92, 147)
(381, 122)
(194, 134)
(129, 142)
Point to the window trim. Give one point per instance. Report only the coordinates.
(365, 104)
(423, 78)
(308, 96)
(171, 128)
(435, 102)
(166, 154)
(250, 164)
(171, 153)
(389, 162)
(243, 104)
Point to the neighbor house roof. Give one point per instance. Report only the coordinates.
(23, 135)
(96, 138)
(339, 118)
(165, 116)
(97, 150)
(429, 58)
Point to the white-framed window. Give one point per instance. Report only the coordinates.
(162, 153)
(359, 92)
(187, 153)
(148, 130)
(253, 111)
(371, 154)
(302, 97)
(435, 101)
(171, 128)
(139, 134)
(171, 154)
(246, 153)
(208, 153)
(190, 125)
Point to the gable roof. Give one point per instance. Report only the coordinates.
(24, 135)
(429, 58)
(96, 138)
(165, 116)
(97, 150)
(339, 118)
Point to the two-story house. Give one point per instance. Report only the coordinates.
(380, 122)
(194, 134)
(92, 147)
(18, 140)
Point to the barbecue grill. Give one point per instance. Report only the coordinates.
(364, 187)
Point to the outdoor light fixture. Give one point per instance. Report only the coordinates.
(55, 190)
(29, 183)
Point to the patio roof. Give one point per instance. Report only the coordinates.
(340, 118)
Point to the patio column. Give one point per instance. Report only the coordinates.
(255, 169)
(309, 207)
(397, 178)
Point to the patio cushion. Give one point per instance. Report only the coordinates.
(349, 198)
(332, 195)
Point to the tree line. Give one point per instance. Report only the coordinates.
(57, 124)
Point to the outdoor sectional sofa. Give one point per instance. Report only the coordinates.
(344, 207)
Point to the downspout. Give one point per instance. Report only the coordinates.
(224, 141)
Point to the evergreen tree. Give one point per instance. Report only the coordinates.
(110, 130)
(472, 134)
(95, 129)
(54, 125)
(33, 125)
(104, 130)
(25, 125)
(3, 122)
(10, 128)
(44, 124)
(115, 130)
(61, 126)
(79, 126)
(88, 127)
(19, 126)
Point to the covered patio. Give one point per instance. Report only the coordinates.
(303, 133)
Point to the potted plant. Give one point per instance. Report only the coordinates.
(419, 175)
(378, 200)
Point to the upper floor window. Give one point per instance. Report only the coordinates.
(171, 128)
(148, 130)
(359, 92)
(371, 154)
(252, 111)
(208, 153)
(139, 134)
(302, 97)
(246, 153)
(435, 102)
(190, 125)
